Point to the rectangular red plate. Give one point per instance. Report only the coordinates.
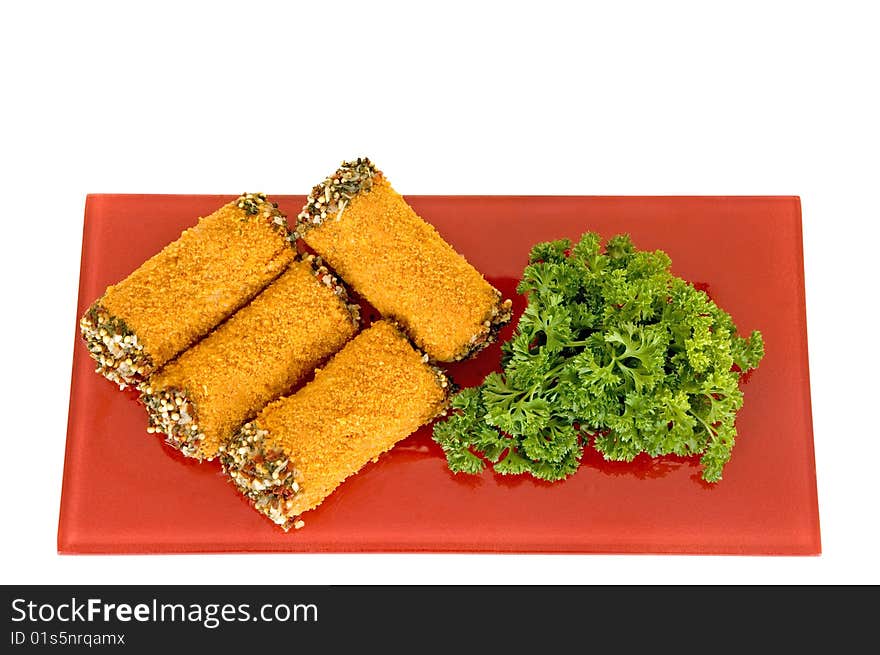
(126, 492)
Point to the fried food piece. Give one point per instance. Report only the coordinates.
(200, 399)
(376, 391)
(183, 292)
(377, 243)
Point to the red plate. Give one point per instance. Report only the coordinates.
(126, 492)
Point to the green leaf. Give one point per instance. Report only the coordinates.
(550, 251)
(513, 463)
(613, 342)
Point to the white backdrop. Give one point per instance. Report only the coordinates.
(453, 98)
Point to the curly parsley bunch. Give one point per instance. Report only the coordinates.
(611, 344)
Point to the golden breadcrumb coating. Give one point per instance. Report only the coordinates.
(376, 391)
(180, 294)
(201, 398)
(403, 267)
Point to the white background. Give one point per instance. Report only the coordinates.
(453, 98)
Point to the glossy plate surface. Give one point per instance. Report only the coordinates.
(124, 491)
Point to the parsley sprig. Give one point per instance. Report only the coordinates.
(611, 347)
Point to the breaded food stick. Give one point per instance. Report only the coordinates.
(374, 392)
(180, 294)
(200, 399)
(377, 243)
